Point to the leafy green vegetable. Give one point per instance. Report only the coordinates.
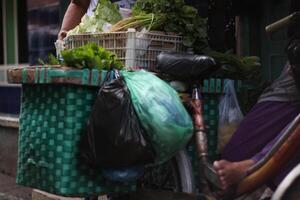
(91, 56)
(234, 66)
(107, 11)
(149, 21)
(51, 60)
(104, 13)
(178, 17)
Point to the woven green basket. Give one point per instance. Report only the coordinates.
(55, 106)
(52, 120)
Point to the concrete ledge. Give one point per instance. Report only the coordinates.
(41, 195)
(9, 128)
(7, 120)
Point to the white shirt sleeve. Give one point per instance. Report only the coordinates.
(92, 6)
(125, 3)
(121, 3)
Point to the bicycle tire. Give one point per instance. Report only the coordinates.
(182, 175)
(181, 168)
(186, 172)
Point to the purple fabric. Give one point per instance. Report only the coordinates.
(259, 130)
(289, 166)
(268, 147)
(260, 126)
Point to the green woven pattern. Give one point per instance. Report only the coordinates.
(211, 117)
(51, 123)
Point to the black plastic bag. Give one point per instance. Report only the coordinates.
(186, 66)
(114, 137)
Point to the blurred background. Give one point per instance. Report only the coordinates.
(28, 30)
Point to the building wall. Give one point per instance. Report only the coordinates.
(253, 40)
(42, 28)
(8, 149)
(31, 4)
(28, 30)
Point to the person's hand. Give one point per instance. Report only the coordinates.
(62, 34)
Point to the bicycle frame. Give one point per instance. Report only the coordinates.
(199, 126)
(201, 139)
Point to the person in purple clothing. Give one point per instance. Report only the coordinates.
(260, 129)
(278, 105)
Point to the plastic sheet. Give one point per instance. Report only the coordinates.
(230, 115)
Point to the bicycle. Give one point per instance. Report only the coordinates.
(177, 174)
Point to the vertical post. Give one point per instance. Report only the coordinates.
(10, 31)
(130, 48)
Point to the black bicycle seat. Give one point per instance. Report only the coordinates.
(186, 66)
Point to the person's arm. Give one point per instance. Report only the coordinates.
(73, 15)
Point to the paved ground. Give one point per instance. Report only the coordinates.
(9, 190)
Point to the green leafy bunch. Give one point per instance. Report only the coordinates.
(235, 66)
(91, 56)
(177, 17)
(107, 11)
(51, 60)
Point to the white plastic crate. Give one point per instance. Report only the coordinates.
(134, 49)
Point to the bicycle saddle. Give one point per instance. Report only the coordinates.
(186, 66)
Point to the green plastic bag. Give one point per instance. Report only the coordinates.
(166, 121)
